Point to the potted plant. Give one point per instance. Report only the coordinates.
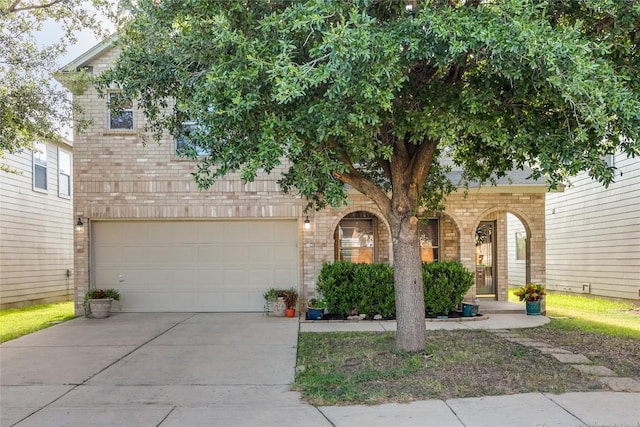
(270, 297)
(315, 308)
(290, 300)
(532, 294)
(97, 302)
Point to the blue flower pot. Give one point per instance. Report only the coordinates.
(533, 307)
(469, 310)
(315, 313)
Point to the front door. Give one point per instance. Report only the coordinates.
(485, 259)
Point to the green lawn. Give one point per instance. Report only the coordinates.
(16, 322)
(592, 314)
(363, 368)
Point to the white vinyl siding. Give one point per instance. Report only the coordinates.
(36, 236)
(184, 266)
(517, 268)
(593, 235)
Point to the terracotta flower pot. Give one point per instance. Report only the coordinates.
(291, 312)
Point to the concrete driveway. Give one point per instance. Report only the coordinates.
(155, 370)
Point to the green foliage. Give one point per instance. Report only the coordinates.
(368, 288)
(336, 87)
(317, 303)
(102, 293)
(363, 93)
(362, 288)
(591, 314)
(31, 106)
(17, 322)
(290, 297)
(270, 295)
(530, 292)
(445, 285)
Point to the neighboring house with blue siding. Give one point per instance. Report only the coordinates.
(593, 234)
(36, 225)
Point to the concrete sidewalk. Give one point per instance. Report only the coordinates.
(235, 369)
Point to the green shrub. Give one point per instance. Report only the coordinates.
(445, 285)
(369, 289)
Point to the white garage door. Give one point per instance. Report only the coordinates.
(194, 265)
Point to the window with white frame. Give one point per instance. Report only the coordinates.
(64, 173)
(120, 112)
(40, 166)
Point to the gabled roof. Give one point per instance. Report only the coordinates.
(88, 56)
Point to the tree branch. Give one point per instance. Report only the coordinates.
(362, 184)
(421, 162)
(14, 6)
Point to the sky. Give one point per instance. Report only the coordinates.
(86, 39)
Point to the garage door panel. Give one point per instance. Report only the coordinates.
(236, 254)
(285, 277)
(108, 254)
(184, 255)
(208, 232)
(236, 231)
(209, 277)
(260, 277)
(209, 253)
(185, 232)
(157, 254)
(234, 278)
(194, 265)
(284, 233)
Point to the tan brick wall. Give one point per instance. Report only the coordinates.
(117, 177)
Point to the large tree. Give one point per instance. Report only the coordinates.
(32, 107)
(370, 92)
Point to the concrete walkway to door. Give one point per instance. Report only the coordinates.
(155, 370)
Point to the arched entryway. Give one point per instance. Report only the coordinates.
(501, 253)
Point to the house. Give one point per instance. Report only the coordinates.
(167, 246)
(593, 243)
(36, 225)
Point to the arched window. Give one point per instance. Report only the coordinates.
(356, 238)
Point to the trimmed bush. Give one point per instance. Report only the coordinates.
(445, 285)
(369, 289)
(362, 288)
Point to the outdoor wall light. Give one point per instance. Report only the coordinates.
(307, 224)
(79, 225)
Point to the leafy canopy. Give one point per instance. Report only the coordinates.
(32, 107)
(365, 92)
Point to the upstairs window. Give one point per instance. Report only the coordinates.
(120, 112)
(184, 146)
(40, 166)
(64, 173)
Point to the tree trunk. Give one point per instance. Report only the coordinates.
(407, 267)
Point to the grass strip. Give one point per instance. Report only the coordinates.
(16, 322)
